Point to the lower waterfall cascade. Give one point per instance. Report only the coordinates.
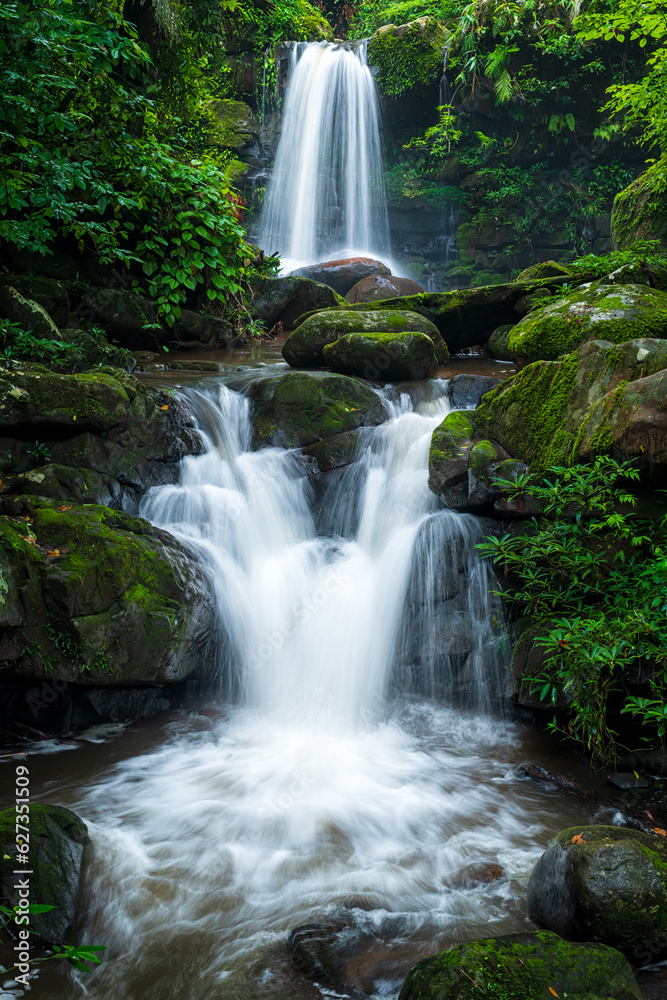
(307, 788)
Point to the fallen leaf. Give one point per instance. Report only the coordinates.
(553, 992)
(659, 831)
(164, 407)
(64, 508)
(577, 839)
(54, 553)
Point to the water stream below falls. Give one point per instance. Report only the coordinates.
(330, 778)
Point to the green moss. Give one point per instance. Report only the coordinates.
(382, 356)
(640, 211)
(407, 56)
(234, 123)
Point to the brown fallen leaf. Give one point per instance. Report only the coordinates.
(577, 839)
(553, 992)
(660, 832)
(64, 508)
(54, 553)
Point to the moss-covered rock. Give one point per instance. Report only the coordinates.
(96, 596)
(640, 210)
(522, 967)
(498, 344)
(408, 54)
(304, 348)
(604, 883)
(235, 125)
(105, 421)
(30, 316)
(382, 356)
(591, 312)
(545, 269)
(57, 838)
(588, 403)
(284, 299)
(335, 452)
(451, 444)
(50, 294)
(301, 408)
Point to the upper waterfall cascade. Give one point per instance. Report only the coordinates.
(326, 195)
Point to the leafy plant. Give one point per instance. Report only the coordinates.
(593, 578)
(77, 955)
(15, 342)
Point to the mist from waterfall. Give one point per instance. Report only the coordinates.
(325, 198)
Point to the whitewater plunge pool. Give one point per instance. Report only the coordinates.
(326, 781)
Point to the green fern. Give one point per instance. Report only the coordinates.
(504, 88)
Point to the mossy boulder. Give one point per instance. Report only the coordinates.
(304, 348)
(50, 294)
(604, 883)
(105, 421)
(57, 838)
(451, 444)
(601, 399)
(522, 967)
(234, 125)
(382, 356)
(545, 269)
(301, 408)
(30, 316)
(96, 596)
(594, 311)
(408, 55)
(640, 210)
(284, 299)
(498, 343)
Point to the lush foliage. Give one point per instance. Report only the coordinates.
(91, 159)
(593, 577)
(640, 105)
(373, 14)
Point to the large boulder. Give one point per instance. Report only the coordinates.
(57, 838)
(301, 408)
(382, 287)
(466, 391)
(640, 210)
(519, 966)
(604, 883)
(304, 348)
(28, 314)
(382, 356)
(284, 299)
(601, 399)
(89, 422)
(342, 275)
(595, 311)
(97, 596)
(50, 294)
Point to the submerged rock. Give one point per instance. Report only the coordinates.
(616, 313)
(304, 348)
(284, 299)
(342, 275)
(518, 966)
(301, 408)
(97, 596)
(382, 356)
(605, 883)
(382, 287)
(57, 841)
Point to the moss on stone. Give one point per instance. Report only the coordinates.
(522, 967)
(640, 210)
(235, 124)
(407, 55)
(382, 356)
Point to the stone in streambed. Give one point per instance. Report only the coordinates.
(301, 408)
(284, 298)
(304, 348)
(498, 343)
(57, 841)
(342, 275)
(605, 883)
(382, 356)
(520, 966)
(382, 286)
(466, 391)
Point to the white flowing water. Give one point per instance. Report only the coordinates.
(337, 786)
(326, 197)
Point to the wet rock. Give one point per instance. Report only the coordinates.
(382, 356)
(284, 299)
(535, 772)
(451, 444)
(596, 311)
(498, 346)
(640, 210)
(101, 705)
(342, 275)
(304, 348)
(50, 294)
(93, 350)
(301, 408)
(96, 596)
(29, 315)
(465, 391)
(335, 452)
(57, 841)
(320, 952)
(130, 320)
(627, 781)
(522, 965)
(483, 873)
(382, 287)
(605, 883)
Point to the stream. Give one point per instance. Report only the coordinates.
(352, 764)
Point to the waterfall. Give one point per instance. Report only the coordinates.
(326, 196)
(318, 795)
